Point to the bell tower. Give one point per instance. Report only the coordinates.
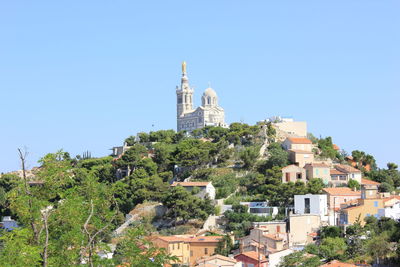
(184, 94)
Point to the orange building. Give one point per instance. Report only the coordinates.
(188, 249)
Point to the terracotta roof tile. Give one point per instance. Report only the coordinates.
(346, 168)
(336, 172)
(318, 165)
(299, 140)
(336, 147)
(253, 255)
(369, 182)
(390, 198)
(341, 191)
(217, 256)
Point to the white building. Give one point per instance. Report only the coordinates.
(206, 188)
(311, 204)
(208, 114)
(392, 208)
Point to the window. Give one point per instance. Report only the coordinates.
(306, 205)
(173, 246)
(325, 171)
(278, 229)
(375, 204)
(299, 175)
(191, 253)
(287, 177)
(179, 246)
(316, 172)
(206, 251)
(352, 176)
(334, 177)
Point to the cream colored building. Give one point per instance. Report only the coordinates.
(318, 170)
(293, 173)
(297, 143)
(217, 261)
(190, 118)
(351, 172)
(301, 157)
(302, 226)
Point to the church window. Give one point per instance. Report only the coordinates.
(179, 99)
(186, 99)
(209, 100)
(199, 119)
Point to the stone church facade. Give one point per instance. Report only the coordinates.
(208, 114)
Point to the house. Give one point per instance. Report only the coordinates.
(351, 172)
(206, 188)
(369, 189)
(391, 208)
(337, 196)
(311, 204)
(217, 261)
(272, 227)
(293, 173)
(301, 157)
(301, 226)
(252, 259)
(338, 177)
(262, 240)
(297, 143)
(260, 208)
(188, 249)
(318, 170)
(276, 258)
(368, 205)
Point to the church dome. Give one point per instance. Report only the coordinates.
(210, 92)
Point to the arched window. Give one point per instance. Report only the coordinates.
(209, 100)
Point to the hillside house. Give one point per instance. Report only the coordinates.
(311, 204)
(293, 173)
(188, 249)
(297, 143)
(351, 172)
(217, 261)
(301, 157)
(206, 188)
(336, 197)
(318, 170)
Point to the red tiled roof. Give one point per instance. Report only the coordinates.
(291, 166)
(346, 168)
(201, 184)
(318, 165)
(299, 140)
(390, 198)
(196, 239)
(341, 191)
(369, 182)
(217, 256)
(205, 239)
(336, 172)
(336, 263)
(253, 255)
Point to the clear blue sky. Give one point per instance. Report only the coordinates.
(83, 75)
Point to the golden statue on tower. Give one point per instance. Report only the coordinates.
(184, 67)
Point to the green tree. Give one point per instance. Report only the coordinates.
(333, 248)
(353, 184)
(315, 185)
(298, 259)
(249, 156)
(224, 246)
(135, 251)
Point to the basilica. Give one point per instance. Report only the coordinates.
(208, 114)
